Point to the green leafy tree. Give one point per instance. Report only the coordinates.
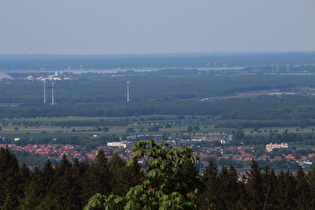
(130, 130)
(164, 187)
(168, 125)
(190, 129)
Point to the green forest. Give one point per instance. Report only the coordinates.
(157, 177)
(247, 100)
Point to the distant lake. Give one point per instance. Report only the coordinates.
(151, 62)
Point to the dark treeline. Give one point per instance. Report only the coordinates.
(89, 123)
(69, 185)
(267, 136)
(261, 111)
(63, 186)
(265, 123)
(259, 189)
(71, 123)
(156, 86)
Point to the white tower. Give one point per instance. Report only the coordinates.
(44, 91)
(128, 91)
(224, 68)
(52, 93)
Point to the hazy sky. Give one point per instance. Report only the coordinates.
(155, 26)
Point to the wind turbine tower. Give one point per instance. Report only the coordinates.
(208, 68)
(52, 93)
(128, 91)
(224, 68)
(44, 91)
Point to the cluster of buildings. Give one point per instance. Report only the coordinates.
(56, 151)
(271, 146)
(54, 77)
(236, 153)
(223, 140)
(242, 153)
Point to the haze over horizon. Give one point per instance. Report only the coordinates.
(156, 26)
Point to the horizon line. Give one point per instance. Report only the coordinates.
(165, 53)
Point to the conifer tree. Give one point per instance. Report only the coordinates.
(269, 185)
(303, 197)
(10, 179)
(96, 179)
(133, 174)
(311, 181)
(25, 174)
(79, 169)
(49, 203)
(118, 172)
(100, 158)
(254, 187)
(31, 199)
(208, 197)
(284, 191)
(230, 190)
(66, 186)
(46, 180)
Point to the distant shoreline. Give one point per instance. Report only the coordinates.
(150, 62)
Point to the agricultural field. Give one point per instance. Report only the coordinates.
(166, 124)
(191, 126)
